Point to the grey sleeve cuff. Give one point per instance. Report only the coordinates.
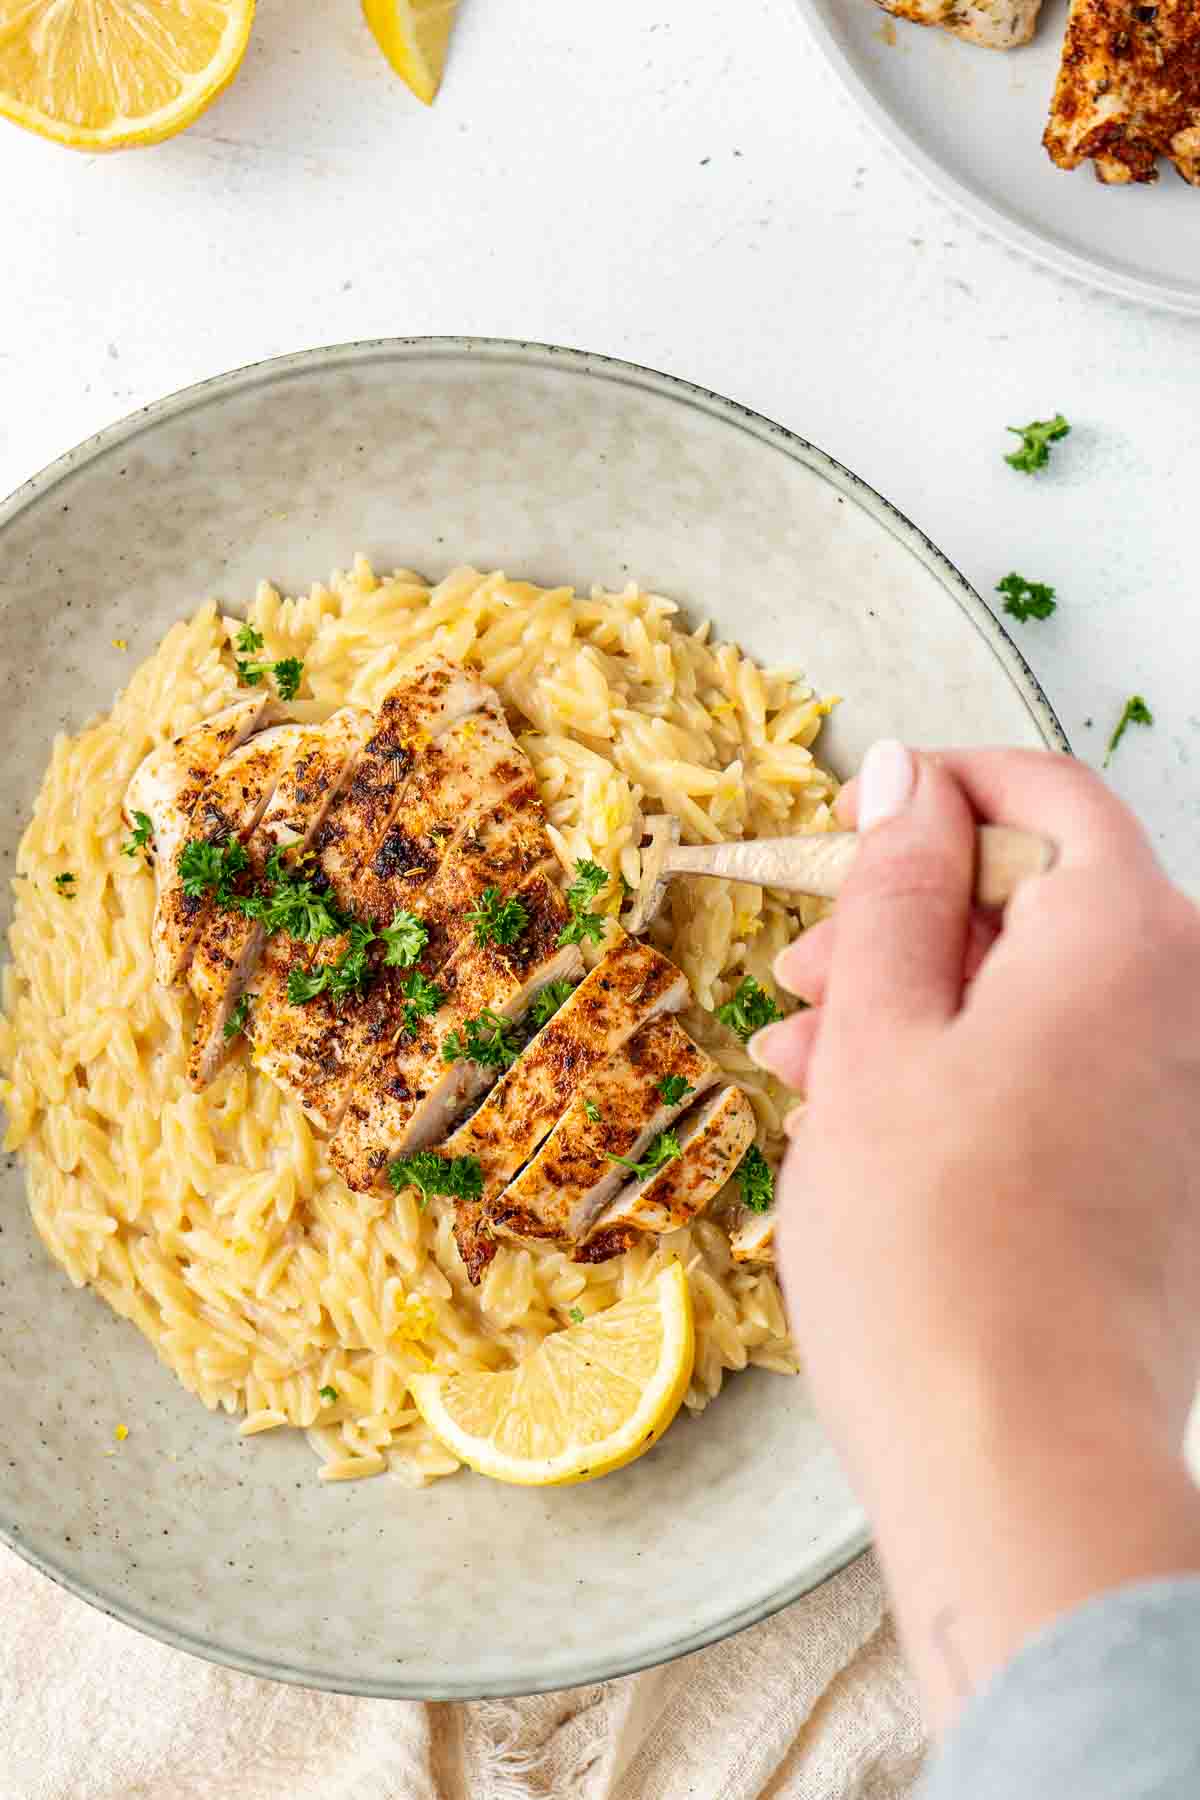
(1104, 1704)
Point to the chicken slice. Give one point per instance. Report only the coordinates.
(628, 986)
(431, 699)
(168, 782)
(1128, 90)
(752, 1236)
(407, 1095)
(229, 946)
(712, 1142)
(315, 1050)
(616, 1114)
(994, 24)
(229, 806)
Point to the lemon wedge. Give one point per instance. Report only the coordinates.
(414, 35)
(108, 74)
(590, 1398)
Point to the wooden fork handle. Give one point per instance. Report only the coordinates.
(819, 862)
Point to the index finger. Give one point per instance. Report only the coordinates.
(1040, 790)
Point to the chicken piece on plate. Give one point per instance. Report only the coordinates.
(407, 1095)
(630, 985)
(1128, 90)
(168, 782)
(500, 840)
(994, 24)
(429, 700)
(752, 1236)
(228, 808)
(616, 1113)
(712, 1142)
(230, 944)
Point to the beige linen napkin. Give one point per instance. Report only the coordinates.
(812, 1705)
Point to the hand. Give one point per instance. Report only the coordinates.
(990, 1213)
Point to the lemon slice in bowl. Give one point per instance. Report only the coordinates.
(109, 74)
(590, 1398)
(414, 35)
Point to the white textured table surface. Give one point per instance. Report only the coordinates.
(674, 181)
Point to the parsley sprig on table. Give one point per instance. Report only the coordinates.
(497, 920)
(663, 1149)
(750, 1008)
(1036, 439)
(459, 1176)
(141, 835)
(756, 1181)
(1026, 599)
(490, 1040)
(1136, 712)
(584, 923)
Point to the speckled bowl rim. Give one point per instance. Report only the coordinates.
(588, 365)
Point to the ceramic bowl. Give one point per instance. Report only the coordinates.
(557, 466)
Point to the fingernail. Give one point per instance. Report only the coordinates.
(765, 1048)
(885, 782)
(780, 966)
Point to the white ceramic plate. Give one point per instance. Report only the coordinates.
(557, 466)
(971, 121)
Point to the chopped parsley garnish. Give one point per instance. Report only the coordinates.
(404, 939)
(288, 672)
(212, 868)
(248, 640)
(584, 923)
(756, 1181)
(749, 1010)
(143, 831)
(1026, 599)
(490, 1040)
(664, 1149)
(1136, 713)
(421, 997)
(65, 883)
(674, 1088)
(459, 1176)
(547, 1003)
(1036, 439)
(497, 920)
(238, 1019)
(591, 1111)
(348, 977)
(305, 912)
(329, 1395)
(576, 1315)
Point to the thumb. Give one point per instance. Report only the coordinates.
(904, 913)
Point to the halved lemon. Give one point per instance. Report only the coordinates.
(108, 74)
(590, 1398)
(414, 35)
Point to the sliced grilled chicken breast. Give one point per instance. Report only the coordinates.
(1128, 90)
(229, 946)
(712, 1142)
(168, 782)
(752, 1237)
(994, 24)
(429, 700)
(616, 1113)
(628, 987)
(470, 767)
(407, 1095)
(229, 806)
